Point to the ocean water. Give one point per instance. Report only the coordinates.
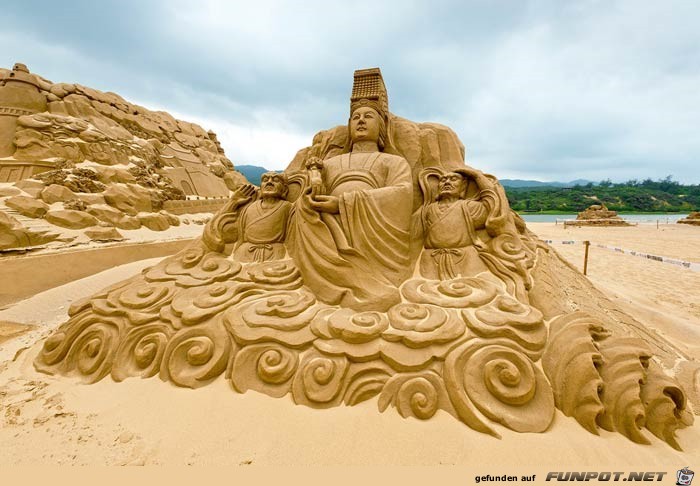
(639, 218)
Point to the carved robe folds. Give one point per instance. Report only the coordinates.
(262, 231)
(450, 239)
(359, 257)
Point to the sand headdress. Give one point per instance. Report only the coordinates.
(368, 89)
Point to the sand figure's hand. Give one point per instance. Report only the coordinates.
(470, 172)
(325, 204)
(479, 177)
(242, 196)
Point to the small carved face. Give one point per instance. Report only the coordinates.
(272, 184)
(452, 184)
(364, 125)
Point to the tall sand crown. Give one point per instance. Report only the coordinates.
(368, 89)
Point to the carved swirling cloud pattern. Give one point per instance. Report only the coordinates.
(465, 346)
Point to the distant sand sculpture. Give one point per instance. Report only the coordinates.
(109, 163)
(693, 219)
(378, 265)
(598, 215)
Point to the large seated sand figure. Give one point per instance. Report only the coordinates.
(362, 225)
(379, 266)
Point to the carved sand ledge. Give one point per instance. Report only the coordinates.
(363, 272)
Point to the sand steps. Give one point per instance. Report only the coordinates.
(32, 224)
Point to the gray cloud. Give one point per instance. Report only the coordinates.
(539, 89)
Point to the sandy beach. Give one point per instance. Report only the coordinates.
(57, 421)
(660, 295)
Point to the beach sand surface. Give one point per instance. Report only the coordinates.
(661, 295)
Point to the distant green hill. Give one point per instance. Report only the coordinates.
(531, 183)
(664, 195)
(252, 173)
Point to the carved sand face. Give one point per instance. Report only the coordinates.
(364, 125)
(452, 184)
(272, 185)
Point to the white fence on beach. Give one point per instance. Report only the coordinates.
(693, 266)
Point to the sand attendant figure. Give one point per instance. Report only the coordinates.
(263, 223)
(253, 223)
(450, 225)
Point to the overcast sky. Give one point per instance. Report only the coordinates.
(546, 90)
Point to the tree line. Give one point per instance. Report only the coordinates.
(663, 195)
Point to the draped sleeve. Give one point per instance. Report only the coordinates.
(358, 257)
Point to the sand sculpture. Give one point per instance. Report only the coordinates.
(53, 126)
(378, 265)
(598, 215)
(69, 144)
(14, 235)
(693, 218)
